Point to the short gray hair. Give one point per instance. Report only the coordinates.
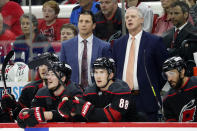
(33, 19)
(138, 11)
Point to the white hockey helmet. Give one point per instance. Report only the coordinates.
(19, 72)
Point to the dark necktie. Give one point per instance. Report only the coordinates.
(174, 38)
(84, 66)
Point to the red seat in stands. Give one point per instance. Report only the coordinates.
(64, 20)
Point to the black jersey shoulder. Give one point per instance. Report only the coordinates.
(118, 87)
(33, 84)
(72, 89)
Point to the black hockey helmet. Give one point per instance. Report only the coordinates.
(175, 62)
(42, 59)
(105, 63)
(62, 68)
(53, 57)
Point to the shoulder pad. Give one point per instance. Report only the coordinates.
(73, 90)
(119, 87)
(33, 83)
(43, 92)
(194, 79)
(91, 89)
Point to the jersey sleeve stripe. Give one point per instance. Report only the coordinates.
(116, 114)
(108, 115)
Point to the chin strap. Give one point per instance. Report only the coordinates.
(52, 91)
(45, 82)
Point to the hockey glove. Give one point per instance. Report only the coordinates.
(8, 102)
(34, 116)
(21, 118)
(81, 107)
(65, 107)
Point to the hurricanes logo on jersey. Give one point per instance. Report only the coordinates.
(188, 112)
(49, 33)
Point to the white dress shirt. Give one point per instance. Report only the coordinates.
(137, 44)
(89, 55)
(180, 28)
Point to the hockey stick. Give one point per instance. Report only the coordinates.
(5, 62)
(151, 85)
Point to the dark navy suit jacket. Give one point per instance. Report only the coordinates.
(69, 54)
(187, 33)
(153, 50)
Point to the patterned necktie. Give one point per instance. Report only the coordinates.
(130, 65)
(84, 66)
(174, 38)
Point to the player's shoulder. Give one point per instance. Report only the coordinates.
(169, 95)
(119, 87)
(191, 83)
(73, 89)
(194, 80)
(43, 92)
(92, 89)
(33, 84)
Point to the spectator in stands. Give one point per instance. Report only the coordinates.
(47, 98)
(146, 11)
(164, 23)
(193, 10)
(11, 12)
(136, 53)
(81, 51)
(68, 31)
(181, 31)
(84, 5)
(181, 100)
(6, 38)
(31, 43)
(50, 26)
(41, 2)
(108, 20)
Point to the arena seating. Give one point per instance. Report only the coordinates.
(65, 10)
